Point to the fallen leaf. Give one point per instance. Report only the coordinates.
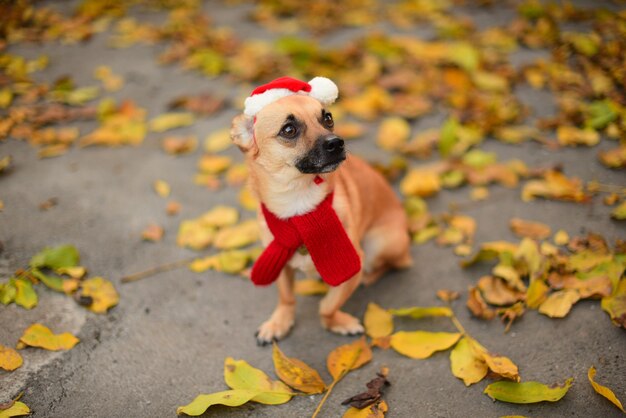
(348, 357)
(561, 237)
(9, 359)
(498, 364)
(309, 287)
(615, 305)
(237, 236)
(527, 392)
(38, 335)
(101, 292)
(420, 182)
(558, 304)
(417, 312)
(17, 409)
(296, 373)
(179, 145)
(238, 374)
(7, 292)
(195, 234)
(214, 164)
(119, 125)
(422, 344)
(511, 313)
(201, 403)
(477, 306)
(162, 188)
(218, 141)
(373, 411)
(479, 193)
(603, 390)
(378, 322)
(173, 208)
(614, 158)
(619, 212)
(466, 364)
(202, 104)
(153, 233)
(446, 295)
(536, 294)
(371, 396)
(570, 135)
(555, 185)
(56, 257)
(247, 200)
(529, 229)
(393, 133)
(496, 292)
(25, 295)
(168, 121)
(231, 261)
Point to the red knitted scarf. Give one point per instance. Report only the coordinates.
(323, 235)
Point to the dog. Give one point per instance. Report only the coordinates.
(295, 161)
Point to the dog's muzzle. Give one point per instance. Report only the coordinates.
(325, 156)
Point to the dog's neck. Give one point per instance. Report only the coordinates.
(286, 196)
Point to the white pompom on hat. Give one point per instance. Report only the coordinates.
(319, 88)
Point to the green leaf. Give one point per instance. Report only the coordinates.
(56, 257)
(448, 136)
(53, 282)
(25, 295)
(417, 312)
(238, 374)
(235, 397)
(7, 292)
(527, 392)
(168, 121)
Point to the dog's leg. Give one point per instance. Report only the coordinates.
(332, 317)
(283, 317)
(386, 246)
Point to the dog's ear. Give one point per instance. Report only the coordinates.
(241, 133)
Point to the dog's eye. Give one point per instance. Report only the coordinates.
(289, 131)
(328, 120)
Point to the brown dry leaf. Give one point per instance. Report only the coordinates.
(570, 135)
(373, 394)
(496, 292)
(511, 313)
(448, 295)
(378, 322)
(9, 358)
(382, 342)
(101, 292)
(173, 208)
(614, 158)
(237, 236)
(153, 232)
(310, 287)
(557, 186)
(296, 373)
(218, 141)
(420, 182)
(393, 133)
(214, 164)
(179, 145)
(558, 304)
(603, 390)
(477, 306)
(535, 230)
(38, 335)
(348, 357)
(373, 411)
(162, 188)
(202, 104)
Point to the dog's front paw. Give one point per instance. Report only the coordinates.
(342, 323)
(277, 327)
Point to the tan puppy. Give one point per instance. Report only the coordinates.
(286, 147)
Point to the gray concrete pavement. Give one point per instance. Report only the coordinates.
(167, 339)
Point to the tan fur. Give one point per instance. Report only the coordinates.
(364, 202)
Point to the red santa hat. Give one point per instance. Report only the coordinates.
(319, 88)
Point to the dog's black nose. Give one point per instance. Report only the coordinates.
(334, 144)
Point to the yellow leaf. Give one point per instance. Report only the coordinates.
(556, 186)
(218, 141)
(102, 293)
(76, 272)
(615, 305)
(527, 392)
(232, 261)
(172, 208)
(237, 174)
(177, 145)
(537, 293)
(420, 182)
(120, 125)
(603, 390)
(535, 230)
(417, 312)
(214, 164)
(309, 287)
(496, 292)
(16, 410)
(238, 374)
(38, 335)
(466, 364)
(561, 237)
(162, 188)
(376, 410)
(558, 304)
(247, 200)
(378, 321)
(201, 403)
(393, 133)
(422, 344)
(570, 135)
(220, 216)
(168, 121)
(296, 373)
(348, 357)
(152, 232)
(25, 295)
(349, 130)
(9, 358)
(237, 236)
(500, 365)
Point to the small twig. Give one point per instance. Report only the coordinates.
(332, 385)
(456, 322)
(156, 270)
